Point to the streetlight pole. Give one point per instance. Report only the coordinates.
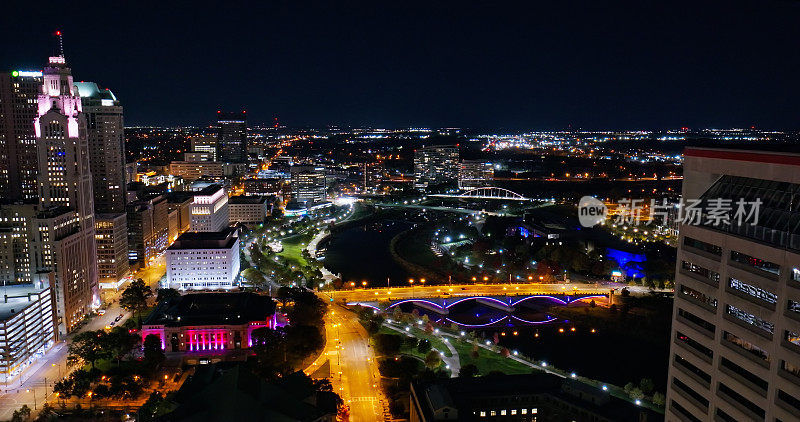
(34, 397)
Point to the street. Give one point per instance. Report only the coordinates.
(354, 371)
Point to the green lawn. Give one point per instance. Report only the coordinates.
(293, 249)
(488, 361)
(436, 342)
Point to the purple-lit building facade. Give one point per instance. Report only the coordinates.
(210, 322)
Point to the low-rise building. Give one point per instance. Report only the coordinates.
(209, 322)
(249, 209)
(204, 261)
(523, 398)
(193, 170)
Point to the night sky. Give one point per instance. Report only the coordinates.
(481, 64)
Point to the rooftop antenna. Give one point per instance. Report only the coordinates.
(60, 44)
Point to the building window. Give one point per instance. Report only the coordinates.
(697, 320)
(793, 306)
(700, 297)
(789, 399)
(756, 263)
(792, 337)
(684, 412)
(791, 368)
(749, 376)
(690, 392)
(750, 319)
(740, 399)
(703, 272)
(746, 346)
(703, 246)
(693, 369)
(683, 338)
(753, 291)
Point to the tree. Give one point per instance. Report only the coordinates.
(468, 371)
(647, 385)
(89, 347)
(254, 277)
(153, 353)
(388, 344)
(658, 398)
(433, 360)
(120, 341)
(164, 295)
(135, 296)
(424, 346)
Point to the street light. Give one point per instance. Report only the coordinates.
(34, 397)
(364, 283)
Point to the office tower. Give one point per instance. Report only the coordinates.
(209, 210)
(207, 144)
(435, 165)
(111, 236)
(19, 237)
(308, 184)
(232, 138)
(19, 164)
(205, 260)
(475, 174)
(104, 128)
(735, 340)
(66, 220)
(371, 175)
(148, 230)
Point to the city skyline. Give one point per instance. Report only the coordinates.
(553, 66)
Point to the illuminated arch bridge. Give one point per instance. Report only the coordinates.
(505, 303)
(489, 192)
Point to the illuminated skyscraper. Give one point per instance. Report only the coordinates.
(435, 165)
(308, 184)
(232, 138)
(66, 219)
(104, 127)
(735, 341)
(18, 160)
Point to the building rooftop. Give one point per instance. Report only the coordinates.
(467, 394)
(15, 299)
(208, 190)
(224, 239)
(212, 309)
(241, 199)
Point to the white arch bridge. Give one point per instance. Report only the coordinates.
(489, 192)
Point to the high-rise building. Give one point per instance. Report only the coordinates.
(207, 144)
(148, 230)
(232, 137)
(435, 165)
(66, 221)
(735, 340)
(308, 184)
(209, 211)
(104, 127)
(111, 236)
(19, 164)
(19, 235)
(475, 174)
